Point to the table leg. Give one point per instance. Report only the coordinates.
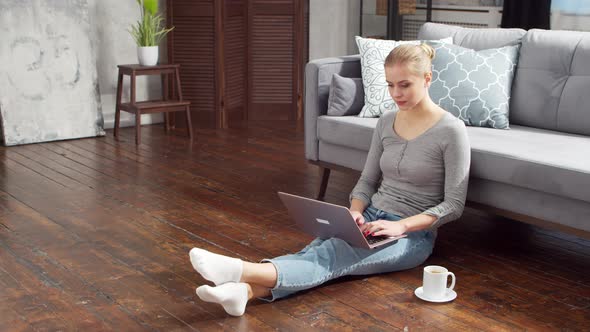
(165, 96)
(118, 103)
(137, 126)
(137, 111)
(189, 123)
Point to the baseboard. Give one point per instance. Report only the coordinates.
(130, 122)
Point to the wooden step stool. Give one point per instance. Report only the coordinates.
(155, 106)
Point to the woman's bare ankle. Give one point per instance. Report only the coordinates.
(250, 291)
(263, 274)
(245, 272)
(257, 291)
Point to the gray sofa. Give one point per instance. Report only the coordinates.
(538, 171)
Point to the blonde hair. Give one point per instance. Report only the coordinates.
(418, 58)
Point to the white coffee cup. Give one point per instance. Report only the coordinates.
(435, 281)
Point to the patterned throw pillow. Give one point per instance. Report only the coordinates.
(373, 53)
(474, 85)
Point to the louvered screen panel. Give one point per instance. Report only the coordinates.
(235, 60)
(273, 6)
(273, 2)
(193, 47)
(306, 32)
(192, 2)
(191, 7)
(271, 60)
(304, 55)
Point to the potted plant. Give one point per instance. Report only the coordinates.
(148, 32)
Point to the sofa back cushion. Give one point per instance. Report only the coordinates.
(551, 89)
(477, 39)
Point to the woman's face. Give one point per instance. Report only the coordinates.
(405, 87)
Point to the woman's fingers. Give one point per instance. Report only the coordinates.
(372, 227)
(365, 228)
(358, 217)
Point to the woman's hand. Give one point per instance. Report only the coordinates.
(358, 217)
(385, 228)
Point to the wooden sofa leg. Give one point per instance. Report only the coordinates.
(324, 184)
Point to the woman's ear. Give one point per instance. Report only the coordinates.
(427, 79)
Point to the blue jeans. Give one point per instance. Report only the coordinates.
(326, 259)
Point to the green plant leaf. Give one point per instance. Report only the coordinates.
(151, 6)
(149, 30)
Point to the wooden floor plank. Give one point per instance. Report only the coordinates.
(72, 254)
(190, 212)
(532, 280)
(56, 264)
(404, 310)
(140, 260)
(500, 300)
(94, 235)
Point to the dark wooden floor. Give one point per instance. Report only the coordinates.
(94, 235)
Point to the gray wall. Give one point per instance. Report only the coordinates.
(110, 20)
(332, 27)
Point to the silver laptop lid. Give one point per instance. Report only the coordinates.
(326, 220)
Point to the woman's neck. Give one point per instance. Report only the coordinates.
(425, 108)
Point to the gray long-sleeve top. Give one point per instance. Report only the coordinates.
(425, 175)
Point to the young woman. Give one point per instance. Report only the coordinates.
(414, 181)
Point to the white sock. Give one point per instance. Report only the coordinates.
(216, 268)
(232, 296)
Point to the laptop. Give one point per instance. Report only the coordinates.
(326, 220)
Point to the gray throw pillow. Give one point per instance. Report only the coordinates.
(474, 85)
(346, 96)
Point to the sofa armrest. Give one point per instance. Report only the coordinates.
(318, 76)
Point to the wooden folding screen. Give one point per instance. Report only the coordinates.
(240, 59)
(192, 45)
(235, 27)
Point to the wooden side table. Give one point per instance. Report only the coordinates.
(165, 105)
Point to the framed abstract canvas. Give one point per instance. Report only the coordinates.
(48, 82)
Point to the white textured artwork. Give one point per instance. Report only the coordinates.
(48, 82)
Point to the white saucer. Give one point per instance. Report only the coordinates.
(449, 296)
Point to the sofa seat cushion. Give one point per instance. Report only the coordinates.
(538, 159)
(349, 131)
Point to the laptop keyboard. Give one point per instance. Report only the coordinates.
(374, 239)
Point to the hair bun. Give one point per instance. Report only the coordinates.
(417, 57)
(428, 50)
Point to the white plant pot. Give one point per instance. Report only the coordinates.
(147, 55)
